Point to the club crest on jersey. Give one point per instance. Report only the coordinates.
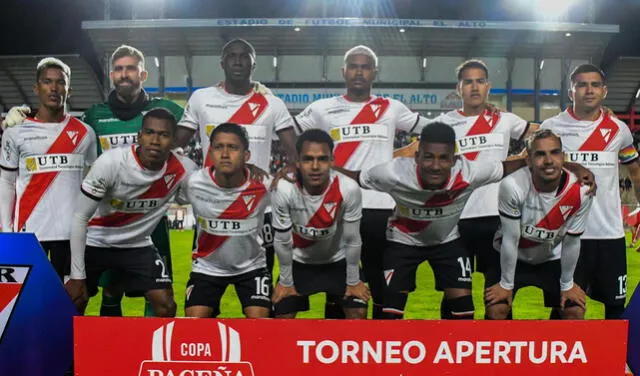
(73, 136)
(169, 180)
(254, 108)
(12, 280)
(375, 108)
(249, 201)
(606, 134)
(173, 353)
(330, 208)
(565, 210)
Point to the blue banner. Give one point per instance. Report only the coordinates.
(36, 314)
(632, 313)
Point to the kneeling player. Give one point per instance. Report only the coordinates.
(124, 196)
(229, 207)
(317, 236)
(543, 209)
(430, 191)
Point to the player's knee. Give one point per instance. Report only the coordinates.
(497, 311)
(256, 312)
(165, 308)
(355, 313)
(286, 316)
(573, 313)
(460, 308)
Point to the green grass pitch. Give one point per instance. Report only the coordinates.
(424, 303)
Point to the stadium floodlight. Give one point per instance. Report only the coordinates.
(402, 30)
(296, 29)
(156, 61)
(275, 61)
(424, 63)
(547, 9)
(638, 94)
(567, 35)
(541, 64)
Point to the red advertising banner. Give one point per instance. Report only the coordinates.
(242, 347)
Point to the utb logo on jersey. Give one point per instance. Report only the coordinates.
(118, 140)
(162, 363)
(12, 279)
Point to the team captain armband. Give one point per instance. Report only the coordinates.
(627, 154)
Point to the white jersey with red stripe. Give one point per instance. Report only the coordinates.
(317, 220)
(229, 221)
(50, 159)
(363, 133)
(545, 217)
(425, 217)
(133, 199)
(261, 115)
(484, 138)
(600, 146)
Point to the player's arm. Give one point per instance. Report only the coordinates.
(9, 159)
(378, 178)
(7, 198)
(287, 138)
(352, 241)
(513, 165)
(509, 207)
(283, 241)
(85, 208)
(633, 168)
(188, 125)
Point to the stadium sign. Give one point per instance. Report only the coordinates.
(36, 333)
(234, 347)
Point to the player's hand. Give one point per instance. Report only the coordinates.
(261, 89)
(496, 294)
(16, 116)
(256, 173)
(77, 290)
(360, 291)
(281, 292)
(491, 108)
(576, 295)
(288, 173)
(585, 176)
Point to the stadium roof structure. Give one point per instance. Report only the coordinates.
(17, 77)
(333, 36)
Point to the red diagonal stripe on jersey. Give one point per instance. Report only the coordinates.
(209, 243)
(247, 114)
(8, 292)
(602, 136)
(322, 218)
(159, 189)
(39, 183)
(481, 126)
(367, 115)
(409, 226)
(554, 219)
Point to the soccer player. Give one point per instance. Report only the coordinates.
(482, 135)
(430, 192)
(229, 207)
(124, 196)
(541, 206)
(237, 100)
(598, 141)
(43, 162)
(317, 240)
(363, 127)
(117, 123)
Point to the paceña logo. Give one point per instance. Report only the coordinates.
(12, 279)
(163, 365)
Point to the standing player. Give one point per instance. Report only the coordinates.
(317, 236)
(364, 127)
(124, 196)
(229, 207)
(46, 157)
(591, 137)
(236, 100)
(117, 123)
(540, 207)
(482, 135)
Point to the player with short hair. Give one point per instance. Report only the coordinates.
(598, 141)
(124, 196)
(363, 127)
(482, 134)
(430, 192)
(247, 103)
(43, 163)
(541, 206)
(229, 207)
(317, 239)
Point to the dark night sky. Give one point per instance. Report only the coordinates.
(53, 26)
